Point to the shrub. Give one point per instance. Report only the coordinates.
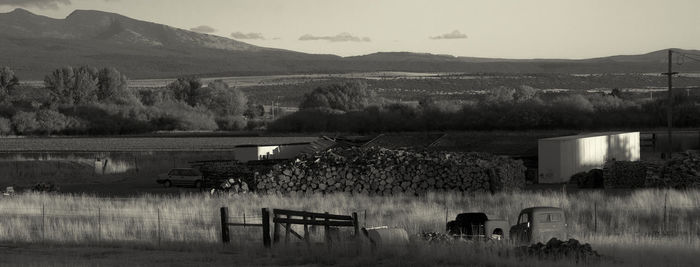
(231, 123)
(25, 122)
(345, 97)
(5, 126)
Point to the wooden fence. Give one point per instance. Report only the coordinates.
(287, 218)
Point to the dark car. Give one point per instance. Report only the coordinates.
(181, 177)
(539, 224)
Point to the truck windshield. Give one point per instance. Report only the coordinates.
(549, 217)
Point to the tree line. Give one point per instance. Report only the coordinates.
(88, 100)
(502, 108)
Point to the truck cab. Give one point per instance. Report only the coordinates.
(477, 225)
(539, 225)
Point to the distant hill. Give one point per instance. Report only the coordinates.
(33, 45)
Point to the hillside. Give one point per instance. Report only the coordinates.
(33, 45)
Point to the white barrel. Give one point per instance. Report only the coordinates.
(388, 236)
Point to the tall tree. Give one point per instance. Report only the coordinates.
(85, 89)
(221, 99)
(112, 86)
(59, 83)
(8, 82)
(185, 89)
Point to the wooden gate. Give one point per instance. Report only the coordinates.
(287, 218)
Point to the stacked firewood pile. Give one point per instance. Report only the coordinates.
(371, 170)
(557, 250)
(682, 171)
(217, 172)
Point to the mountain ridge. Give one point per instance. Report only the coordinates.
(33, 45)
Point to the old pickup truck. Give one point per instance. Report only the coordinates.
(477, 225)
(539, 224)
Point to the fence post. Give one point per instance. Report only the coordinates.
(225, 238)
(266, 227)
(287, 229)
(276, 229)
(665, 214)
(43, 216)
(244, 219)
(327, 229)
(306, 232)
(158, 233)
(355, 224)
(99, 224)
(595, 217)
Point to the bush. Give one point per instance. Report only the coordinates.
(25, 122)
(345, 97)
(5, 126)
(231, 123)
(51, 121)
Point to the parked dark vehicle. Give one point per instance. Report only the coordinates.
(539, 225)
(181, 177)
(477, 225)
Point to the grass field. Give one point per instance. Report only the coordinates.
(630, 226)
(103, 144)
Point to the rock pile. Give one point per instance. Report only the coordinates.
(590, 179)
(371, 170)
(561, 250)
(434, 237)
(45, 187)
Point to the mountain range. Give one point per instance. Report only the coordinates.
(34, 45)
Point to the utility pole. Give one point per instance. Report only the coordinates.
(669, 103)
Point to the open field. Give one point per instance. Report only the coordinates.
(630, 225)
(104, 144)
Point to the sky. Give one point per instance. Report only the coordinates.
(477, 28)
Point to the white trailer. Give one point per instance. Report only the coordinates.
(245, 153)
(561, 157)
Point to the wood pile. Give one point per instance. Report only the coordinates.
(372, 170)
(216, 172)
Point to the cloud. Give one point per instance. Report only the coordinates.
(203, 29)
(250, 35)
(453, 35)
(41, 4)
(341, 37)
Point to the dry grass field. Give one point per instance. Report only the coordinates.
(630, 227)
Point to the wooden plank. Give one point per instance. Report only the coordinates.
(307, 236)
(310, 222)
(287, 230)
(312, 214)
(276, 229)
(246, 224)
(290, 230)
